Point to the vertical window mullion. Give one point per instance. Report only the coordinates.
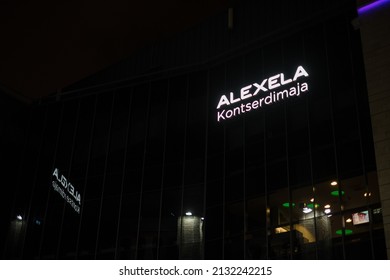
(334, 138)
(123, 174)
(104, 175)
(143, 168)
(93, 127)
(163, 170)
(182, 211)
(34, 182)
(69, 172)
(53, 166)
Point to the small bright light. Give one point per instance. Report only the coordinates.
(367, 194)
(188, 213)
(202, 219)
(312, 200)
(19, 217)
(307, 210)
(329, 215)
(334, 183)
(327, 206)
(327, 211)
(348, 220)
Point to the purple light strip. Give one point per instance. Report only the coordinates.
(372, 6)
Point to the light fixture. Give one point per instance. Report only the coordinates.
(312, 200)
(367, 194)
(336, 193)
(348, 220)
(202, 219)
(312, 205)
(280, 230)
(327, 206)
(347, 231)
(327, 211)
(333, 183)
(288, 204)
(188, 213)
(19, 217)
(307, 210)
(371, 6)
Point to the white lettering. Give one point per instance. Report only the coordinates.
(63, 181)
(220, 115)
(68, 192)
(223, 101)
(78, 198)
(260, 87)
(292, 91)
(55, 173)
(232, 100)
(71, 189)
(229, 113)
(273, 82)
(268, 99)
(245, 92)
(299, 73)
(283, 81)
(304, 87)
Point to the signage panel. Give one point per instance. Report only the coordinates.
(258, 95)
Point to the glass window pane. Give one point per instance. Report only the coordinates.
(127, 236)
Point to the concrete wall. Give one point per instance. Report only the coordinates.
(375, 34)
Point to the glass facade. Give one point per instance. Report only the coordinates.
(152, 169)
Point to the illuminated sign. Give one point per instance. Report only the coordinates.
(66, 190)
(271, 90)
(360, 218)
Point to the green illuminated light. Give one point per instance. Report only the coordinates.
(311, 205)
(336, 193)
(347, 231)
(287, 204)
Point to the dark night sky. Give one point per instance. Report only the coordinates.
(47, 45)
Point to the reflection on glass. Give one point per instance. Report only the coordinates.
(190, 236)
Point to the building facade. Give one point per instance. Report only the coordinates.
(247, 140)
